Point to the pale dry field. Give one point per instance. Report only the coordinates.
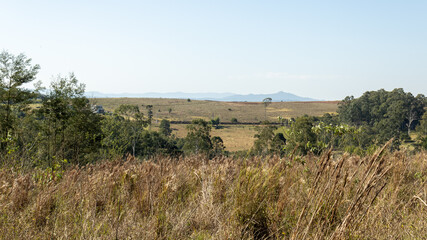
(235, 137)
(182, 110)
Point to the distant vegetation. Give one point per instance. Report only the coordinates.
(229, 97)
(65, 128)
(181, 110)
(325, 173)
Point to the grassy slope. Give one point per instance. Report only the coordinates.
(235, 137)
(338, 197)
(243, 111)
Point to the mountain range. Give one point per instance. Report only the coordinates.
(227, 97)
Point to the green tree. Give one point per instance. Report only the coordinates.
(69, 128)
(129, 111)
(165, 127)
(198, 139)
(149, 113)
(153, 143)
(15, 71)
(217, 146)
(300, 135)
(133, 124)
(422, 131)
(116, 141)
(122, 139)
(415, 111)
(278, 144)
(388, 114)
(215, 122)
(422, 128)
(268, 142)
(263, 140)
(339, 136)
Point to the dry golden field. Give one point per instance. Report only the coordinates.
(243, 111)
(235, 137)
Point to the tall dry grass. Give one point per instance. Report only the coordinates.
(329, 197)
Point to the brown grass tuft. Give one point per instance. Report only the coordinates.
(329, 197)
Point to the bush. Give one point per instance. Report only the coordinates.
(424, 143)
(165, 127)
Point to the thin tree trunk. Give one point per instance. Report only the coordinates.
(7, 123)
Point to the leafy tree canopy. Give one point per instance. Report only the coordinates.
(14, 72)
(198, 139)
(389, 113)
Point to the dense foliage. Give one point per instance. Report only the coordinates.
(387, 114)
(14, 72)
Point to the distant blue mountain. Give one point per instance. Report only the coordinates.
(228, 97)
(179, 95)
(276, 97)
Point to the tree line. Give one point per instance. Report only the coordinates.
(56, 126)
(360, 126)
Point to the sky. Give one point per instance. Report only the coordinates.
(319, 49)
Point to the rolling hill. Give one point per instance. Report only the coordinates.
(225, 97)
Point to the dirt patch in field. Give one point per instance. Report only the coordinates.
(242, 103)
(279, 110)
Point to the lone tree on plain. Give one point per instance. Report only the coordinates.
(266, 101)
(215, 122)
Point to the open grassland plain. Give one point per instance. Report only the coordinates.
(382, 196)
(235, 137)
(182, 110)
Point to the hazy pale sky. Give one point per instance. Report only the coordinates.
(319, 49)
